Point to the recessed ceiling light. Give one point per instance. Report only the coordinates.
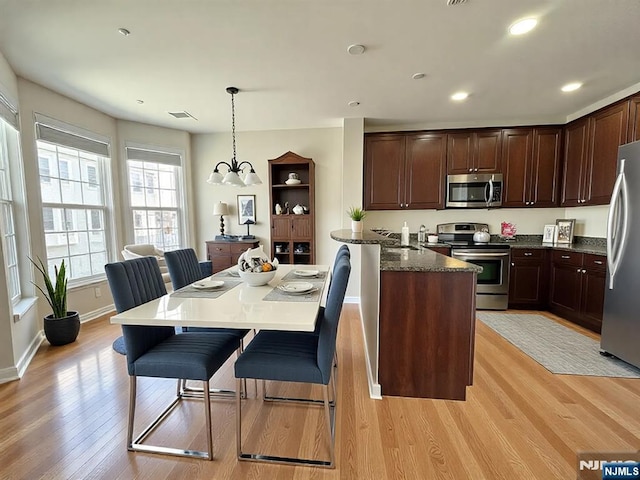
(124, 31)
(570, 87)
(418, 76)
(355, 49)
(459, 96)
(353, 103)
(523, 26)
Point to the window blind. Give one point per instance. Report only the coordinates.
(8, 112)
(144, 155)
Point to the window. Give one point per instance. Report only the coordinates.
(157, 206)
(9, 154)
(73, 169)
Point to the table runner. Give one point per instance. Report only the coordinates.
(191, 292)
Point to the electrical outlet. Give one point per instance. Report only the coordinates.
(97, 292)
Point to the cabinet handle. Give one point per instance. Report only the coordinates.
(566, 256)
(579, 270)
(471, 169)
(475, 170)
(527, 254)
(513, 264)
(598, 262)
(584, 271)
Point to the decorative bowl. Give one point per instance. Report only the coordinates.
(257, 279)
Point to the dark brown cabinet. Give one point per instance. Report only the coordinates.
(404, 171)
(224, 254)
(577, 288)
(591, 155)
(529, 279)
(292, 236)
(634, 119)
(441, 250)
(474, 151)
(531, 166)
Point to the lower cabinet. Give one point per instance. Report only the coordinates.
(442, 250)
(577, 288)
(529, 279)
(225, 254)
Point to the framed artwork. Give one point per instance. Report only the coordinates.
(549, 234)
(565, 229)
(246, 209)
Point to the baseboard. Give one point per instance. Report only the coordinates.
(95, 314)
(375, 389)
(28, 355)
(8, 375)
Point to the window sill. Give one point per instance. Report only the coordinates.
(21, 308)
(87, 282)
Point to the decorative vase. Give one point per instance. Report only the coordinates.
(356, 226)
(60, 331)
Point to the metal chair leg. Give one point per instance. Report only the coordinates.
(195, 392)
(238, 421)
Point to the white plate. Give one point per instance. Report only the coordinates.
(306, 273)
(306, 292)
(207, 284)
(296, 287)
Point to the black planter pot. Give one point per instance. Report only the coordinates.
(60, 331)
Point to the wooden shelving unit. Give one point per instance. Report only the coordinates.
(292, 236)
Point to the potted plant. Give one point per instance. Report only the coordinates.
(62, 326)
(356, 214)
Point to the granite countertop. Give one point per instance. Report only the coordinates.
(396, 259)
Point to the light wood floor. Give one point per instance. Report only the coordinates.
(67, 419)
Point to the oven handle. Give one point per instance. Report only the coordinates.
(478, 254)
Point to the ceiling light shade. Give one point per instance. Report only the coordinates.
(232, 176)
(355, 49)
(523, 26)
(570, 87)
(221, 208)
(459, 96)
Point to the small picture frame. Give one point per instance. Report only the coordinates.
(549, 234)
(565, 230)
(246, 209)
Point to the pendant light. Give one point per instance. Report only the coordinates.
(232, 176)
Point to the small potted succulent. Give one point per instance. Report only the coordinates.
(356, 214)
(62, 326)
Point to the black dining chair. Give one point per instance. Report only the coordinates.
(297, 357)
(157, 351)
(184, 269)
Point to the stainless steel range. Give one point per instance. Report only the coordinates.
(492, 291)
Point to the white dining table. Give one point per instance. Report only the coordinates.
(242, 307)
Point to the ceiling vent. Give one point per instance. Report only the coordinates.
(182, 114)
(455, 2)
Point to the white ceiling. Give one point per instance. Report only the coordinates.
(289, 59)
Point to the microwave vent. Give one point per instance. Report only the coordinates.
(455, 2)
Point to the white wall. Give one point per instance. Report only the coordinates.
(323, 145)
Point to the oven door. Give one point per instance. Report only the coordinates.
(494, 277)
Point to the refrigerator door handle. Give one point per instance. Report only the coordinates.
(615, 240)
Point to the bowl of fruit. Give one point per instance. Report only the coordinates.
(256, 271)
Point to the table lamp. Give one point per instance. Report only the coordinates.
(221, 209)
(248, 236)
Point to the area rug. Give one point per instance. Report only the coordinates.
(556, 347)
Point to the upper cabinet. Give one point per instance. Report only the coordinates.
(634, 119)
(404, 171)
(474, 151)
(531, 166)
(591, 155)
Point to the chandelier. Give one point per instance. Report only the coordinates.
(232, 176)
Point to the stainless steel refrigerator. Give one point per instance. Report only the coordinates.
(621, 320)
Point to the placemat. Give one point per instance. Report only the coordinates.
(292, 276)
(227, 274)
(191, 292)
(277, 295)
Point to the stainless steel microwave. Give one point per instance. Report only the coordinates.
(474, 190)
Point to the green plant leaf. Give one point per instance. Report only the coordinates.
(55, 295)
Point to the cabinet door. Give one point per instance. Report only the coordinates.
(459, 153)
(301, 228)
(487, 151)
(528, 279)
(424, 177)
(593, 287)
(634, 120)
(384, 172)
(566, 284)
(517, 147)
(575, 155)
(545, 167)
(607, 131)
(281, 227)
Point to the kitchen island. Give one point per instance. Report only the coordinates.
(418, 316)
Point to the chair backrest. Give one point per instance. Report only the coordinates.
(333, 309)
(343, 251)
(184, 267)
(132, 283)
